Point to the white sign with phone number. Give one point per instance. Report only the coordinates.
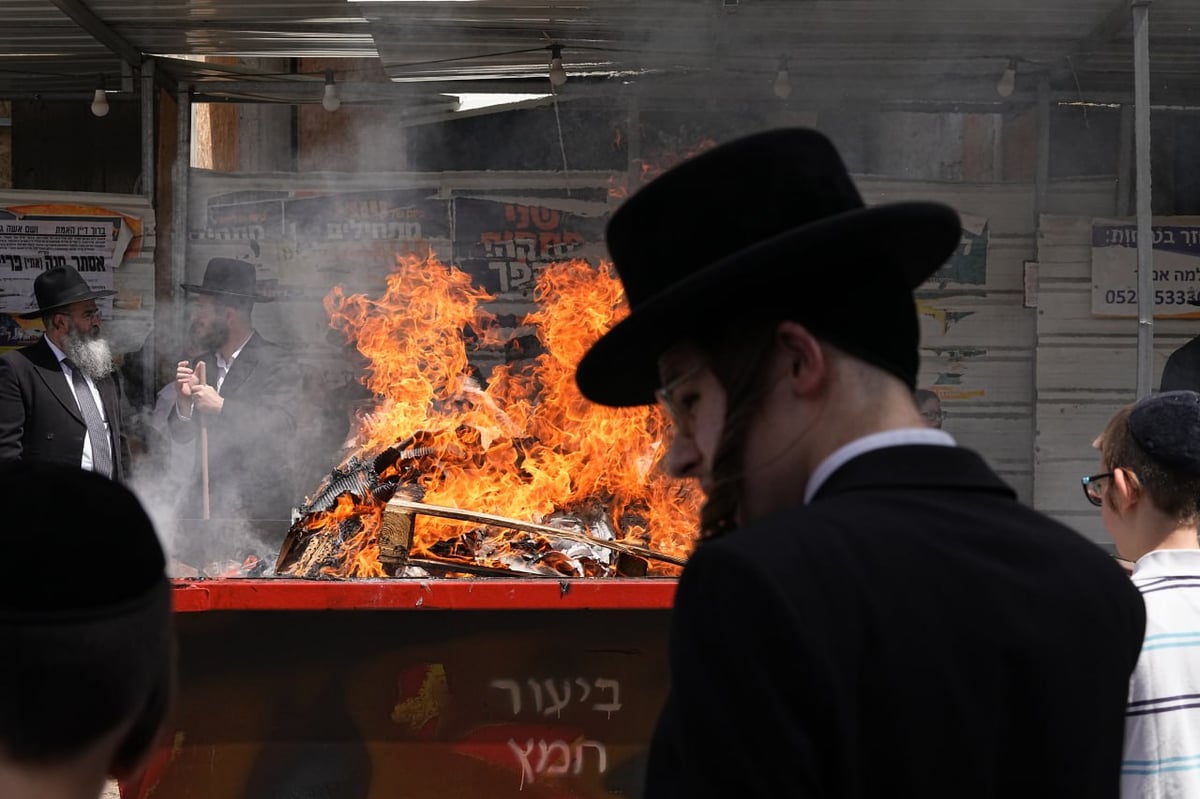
(1176, 267)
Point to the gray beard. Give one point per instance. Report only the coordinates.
(93, 356)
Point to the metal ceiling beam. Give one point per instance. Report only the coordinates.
(100, 30)
(1100, 36)
(1109, 28)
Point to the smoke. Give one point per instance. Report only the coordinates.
(259, 470)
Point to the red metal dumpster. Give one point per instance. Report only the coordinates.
(409, 688)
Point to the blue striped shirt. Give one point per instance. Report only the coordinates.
(1162, 721)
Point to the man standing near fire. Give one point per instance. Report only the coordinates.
(59, 401)
(245, 406)
(870, 611)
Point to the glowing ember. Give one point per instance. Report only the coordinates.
(528, 445)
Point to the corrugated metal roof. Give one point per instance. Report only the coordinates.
(899, 49)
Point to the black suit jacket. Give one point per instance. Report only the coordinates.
(40, 419)
(1182, 371)
(913, 632)
(252, 447)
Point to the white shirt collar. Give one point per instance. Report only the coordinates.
(224, 364)
(860, 446)
(62, 356)
(1168, 563)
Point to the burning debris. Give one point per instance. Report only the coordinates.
(459, 496)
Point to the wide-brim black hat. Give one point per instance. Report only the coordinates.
(229, 277)
(770, 222)
(59, 287)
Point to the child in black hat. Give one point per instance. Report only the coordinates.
(87, 670)
(1148, 490)
(871, 612)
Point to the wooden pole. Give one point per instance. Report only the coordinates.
(1143, 206)
(203, 422)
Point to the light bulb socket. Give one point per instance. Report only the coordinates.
(330, 100)
(99, 100)
(1008, 79)
(558, 75)
(782, 87)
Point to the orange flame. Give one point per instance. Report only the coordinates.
(526, 446)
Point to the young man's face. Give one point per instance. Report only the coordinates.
(1117, 524)
(695, 402)
(931, 412)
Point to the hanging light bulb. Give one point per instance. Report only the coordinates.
(558, 75)
(1008, 79)
(99, 99)
(783, 84)
(330, 101)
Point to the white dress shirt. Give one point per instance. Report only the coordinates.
(861, 446)
(223, 366)
(87, 440)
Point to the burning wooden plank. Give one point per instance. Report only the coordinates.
(400, 505)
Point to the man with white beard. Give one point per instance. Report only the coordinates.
(59, 401)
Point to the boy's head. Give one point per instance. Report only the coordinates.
(88, 676)
(1150, 461)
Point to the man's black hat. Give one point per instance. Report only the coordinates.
(229, 277)
(768, 223)
(59, 287)
(1167, 427)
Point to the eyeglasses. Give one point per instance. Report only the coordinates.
(1092, 488)
(932, 416)
(680, 416)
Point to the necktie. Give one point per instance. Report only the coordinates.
(101, 453)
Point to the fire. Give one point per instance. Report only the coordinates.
(525, 446)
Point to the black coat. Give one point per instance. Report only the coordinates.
(40, 420)
(913, 632)
(251, 444)
(1182, 371)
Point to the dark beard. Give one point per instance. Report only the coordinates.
(90, 354)
(212, 341)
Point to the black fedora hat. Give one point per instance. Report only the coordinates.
(771, 221)
(229, 277)
(59, 287)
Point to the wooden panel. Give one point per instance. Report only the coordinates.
(977, 343)
(1058, 493)
(6, 164)
(1086, 368)
(1008, 207)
